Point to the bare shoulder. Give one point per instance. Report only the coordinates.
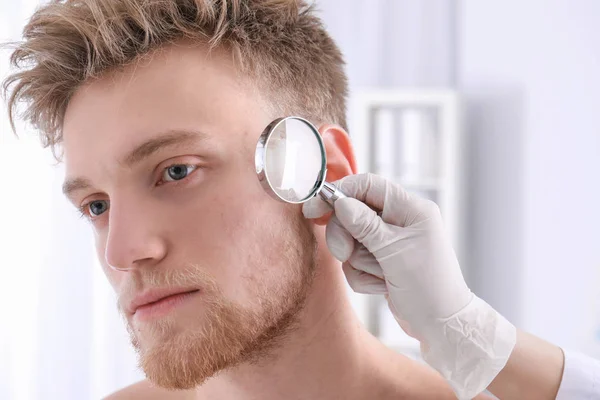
(146, 391)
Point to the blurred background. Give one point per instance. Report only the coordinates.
(487, 107)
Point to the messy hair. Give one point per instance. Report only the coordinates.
(281, 44)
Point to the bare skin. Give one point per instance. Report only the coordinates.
(518, 380)
(220, 221)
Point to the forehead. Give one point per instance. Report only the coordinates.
(177, 88)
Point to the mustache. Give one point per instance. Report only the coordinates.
(143, 279)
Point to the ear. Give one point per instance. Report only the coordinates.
(341, 160)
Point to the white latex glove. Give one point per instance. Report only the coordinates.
(401, 250)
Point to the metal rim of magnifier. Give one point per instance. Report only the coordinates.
(261, 153)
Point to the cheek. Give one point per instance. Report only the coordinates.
(263, 238)
(237, 233)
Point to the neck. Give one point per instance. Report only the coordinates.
(329, 355)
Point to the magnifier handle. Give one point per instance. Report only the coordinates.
(330, 193)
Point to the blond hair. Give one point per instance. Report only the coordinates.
(281, 44)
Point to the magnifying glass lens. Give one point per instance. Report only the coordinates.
(294, 160)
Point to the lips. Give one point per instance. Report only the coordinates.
(156, 296)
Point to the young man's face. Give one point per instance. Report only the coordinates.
(165, 153)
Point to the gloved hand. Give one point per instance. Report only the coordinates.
(393, 243)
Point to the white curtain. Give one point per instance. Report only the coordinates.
(61, 337)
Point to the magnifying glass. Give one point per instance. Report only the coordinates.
(291, 162)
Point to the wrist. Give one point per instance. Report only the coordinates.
(469, 348)
(518, 380)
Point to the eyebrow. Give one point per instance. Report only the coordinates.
(169, 139)
(73, 185)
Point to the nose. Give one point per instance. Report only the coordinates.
(133, 238)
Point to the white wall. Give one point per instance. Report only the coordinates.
(530, 70)
(393, 42)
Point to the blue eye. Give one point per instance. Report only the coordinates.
(98, 207)
(177, 172)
